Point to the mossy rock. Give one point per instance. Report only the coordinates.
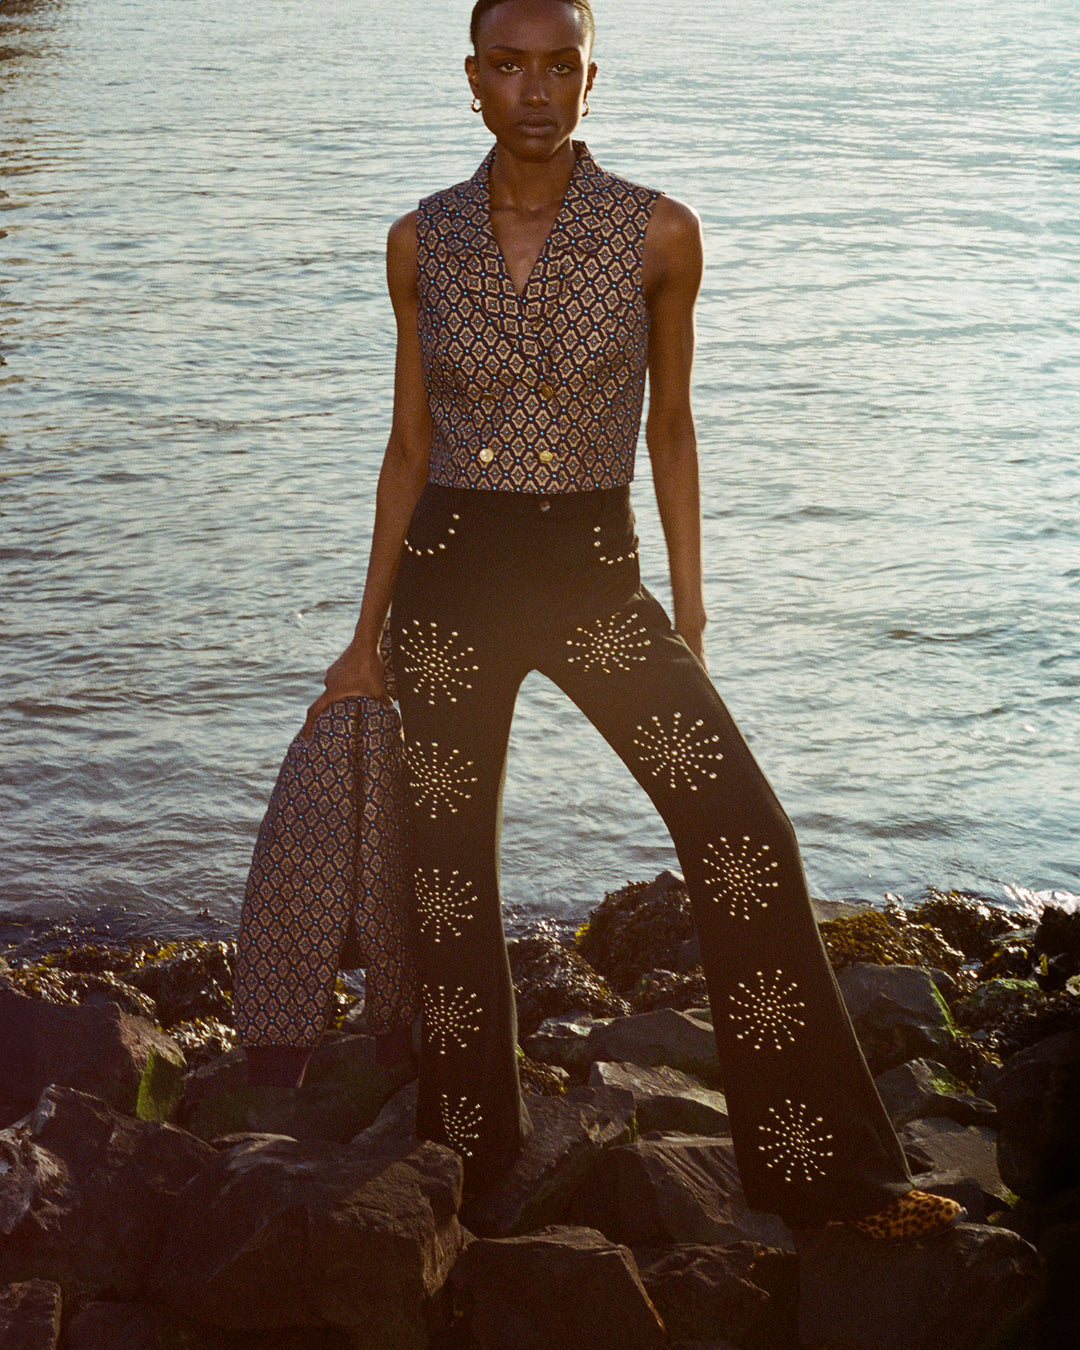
(885, 938)
(990, 1003)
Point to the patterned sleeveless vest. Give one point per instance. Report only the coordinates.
(540, 392)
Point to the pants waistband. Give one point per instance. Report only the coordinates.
(553, 506)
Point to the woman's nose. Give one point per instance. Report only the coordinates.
(535, 91)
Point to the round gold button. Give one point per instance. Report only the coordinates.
(545, 456)
(487, 455)
(546, 390)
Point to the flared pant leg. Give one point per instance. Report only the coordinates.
(811, 1137)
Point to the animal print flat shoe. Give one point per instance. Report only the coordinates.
(917, 1214)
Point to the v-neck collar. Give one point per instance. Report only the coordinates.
(569, 230)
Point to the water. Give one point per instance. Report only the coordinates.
(197, 392)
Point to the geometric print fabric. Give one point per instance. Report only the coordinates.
(538, 392)
(329, 884)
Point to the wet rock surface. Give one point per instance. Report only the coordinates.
(552, 980)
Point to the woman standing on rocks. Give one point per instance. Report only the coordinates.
(531, 302)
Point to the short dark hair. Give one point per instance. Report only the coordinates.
(583, 7)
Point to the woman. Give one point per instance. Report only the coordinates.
(531, 303)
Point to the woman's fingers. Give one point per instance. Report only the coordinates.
(335, 696)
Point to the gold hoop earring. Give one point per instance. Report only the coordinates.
(585, 110)
(476, 105)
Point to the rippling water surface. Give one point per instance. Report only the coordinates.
(197, 389)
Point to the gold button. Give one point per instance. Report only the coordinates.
(546, 390)
(487, 455)
(546, 456)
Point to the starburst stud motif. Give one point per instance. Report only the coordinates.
(740, 876)
(612, 644)
(603, 557)
(767, 1011)
(680, 753)
(439, 781)
(438, 667)
(443, 905)
(461, 1123)
(795, 1142)
(450, 1016)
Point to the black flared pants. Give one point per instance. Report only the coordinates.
(492, 586)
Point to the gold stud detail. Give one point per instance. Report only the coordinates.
(461, 1123)
(740, 876)
(439, 780)
(681, 754)
(795, 1142)
(450, 1015)
(767, 1010)
(439, 667)
(443, 905)
(611, 644)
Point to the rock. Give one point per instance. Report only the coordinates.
(988, 1003)
(966, 922)
(563, 1041)
(665, 1099)
(546, 1079)
(743, 1291)
(87, 1194)
(669, 989)
(124, 1060)
(281, 1233)
(954, 1160)
(56, 985)
(897, 1013)
(639, 928)
(552, 980)
(392, 1134)
(679, 1189)
(570, 1135)
(30, 1315)
(187, 983)
(1037, 1094)
(1012, 957)
(664, 1037)
(135, 1326)
(1058, 938)
(561, 1287)
(343, 1091)
(885, 937)
(922, 1088)
(963, 1288)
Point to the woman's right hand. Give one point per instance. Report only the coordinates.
(357, 673)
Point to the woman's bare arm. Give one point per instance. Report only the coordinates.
(358, 671)
(672, 278)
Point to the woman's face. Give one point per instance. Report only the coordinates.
(531, 72)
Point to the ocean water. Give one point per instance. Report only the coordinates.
(197, 391)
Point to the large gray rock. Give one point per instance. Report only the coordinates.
(344, 1089)
(1037, 1094)
(963, 1288)
(564, 1042)
(570, 1135)
(922, 1088)
(658, 1191)
(665, 1099)
(86, 1194)
(897, 1013)
(947, 1158)
(281, 1233)
(675, 1039)
(125, 1060)
(743, 1292)
(30, 1315)
(562, 1287)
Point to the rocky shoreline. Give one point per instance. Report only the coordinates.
(151, 1199)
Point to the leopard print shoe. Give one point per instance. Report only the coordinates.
(917, 1214)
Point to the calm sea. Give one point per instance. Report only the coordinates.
(197, 390)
